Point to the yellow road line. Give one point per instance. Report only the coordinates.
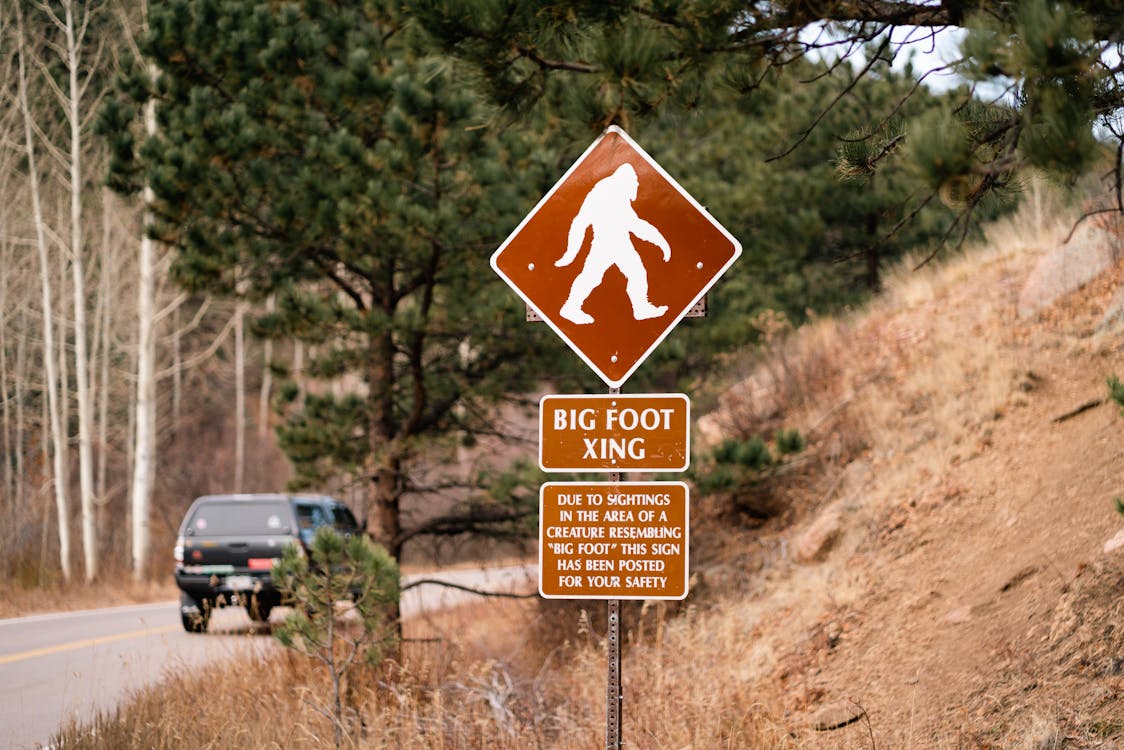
(48, 650)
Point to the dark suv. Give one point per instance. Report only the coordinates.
(228, 545)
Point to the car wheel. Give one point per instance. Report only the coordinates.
(258, 610)
(194, 615)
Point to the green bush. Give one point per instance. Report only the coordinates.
(734, 463)
(789, 441)
(341, 569)
(1116, 391)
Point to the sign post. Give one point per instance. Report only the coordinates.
(612, 258)
(614, 690)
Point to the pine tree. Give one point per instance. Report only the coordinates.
(315, 153)
(1058, 61)
(341, 569)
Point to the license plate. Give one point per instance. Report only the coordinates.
(239, 583)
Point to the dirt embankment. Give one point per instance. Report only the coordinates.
(950, 556)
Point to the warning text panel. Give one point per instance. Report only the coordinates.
(613, 540)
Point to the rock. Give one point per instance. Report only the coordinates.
(958, 616)
(709, 431)
(1115, 543)
(1066, 269)
(818, 539)
(1114, 314)
(837, 716)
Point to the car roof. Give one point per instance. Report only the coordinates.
(250, 497)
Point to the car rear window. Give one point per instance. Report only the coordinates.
(344, 521)
(232, 518)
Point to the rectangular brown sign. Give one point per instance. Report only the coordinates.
(613, 540)
(637, 432)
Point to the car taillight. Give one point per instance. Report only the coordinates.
(177, 552)
(262, 563)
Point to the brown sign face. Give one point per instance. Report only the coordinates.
(615, 255)
(613, 540)
(648, 432)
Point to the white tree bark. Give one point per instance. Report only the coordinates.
(21, 368)
(239, 397)
(7, 446)
(144, 450)
(177, 373)
(103, 337)
(54, 409)
(266, 379)
(72, 99)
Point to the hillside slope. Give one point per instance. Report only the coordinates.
(941, 578)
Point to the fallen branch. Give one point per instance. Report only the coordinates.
(1090, 404)
(502, 594)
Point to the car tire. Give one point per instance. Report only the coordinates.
(258, 610)
(194, 615)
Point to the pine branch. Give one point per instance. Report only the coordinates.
(807, 131)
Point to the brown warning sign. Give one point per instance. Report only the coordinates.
(637, 432)
(613, 540)
(615, 255)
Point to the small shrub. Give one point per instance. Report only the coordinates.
(789, 441)
(1116, 391)
(734, 463)
(340, 569)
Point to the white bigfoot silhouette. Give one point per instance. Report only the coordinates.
(608, 209)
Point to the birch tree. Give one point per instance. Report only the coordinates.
(70, 99)
(54, 408)
(144, 445)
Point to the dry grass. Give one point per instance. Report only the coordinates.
(16, 601)
(908, 389)
(494, 687)
(500, 676)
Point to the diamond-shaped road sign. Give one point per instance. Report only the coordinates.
(614, 256)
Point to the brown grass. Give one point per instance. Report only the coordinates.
(17, 601)
(470, 679)
(893, 402)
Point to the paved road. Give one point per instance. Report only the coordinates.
(73, 664)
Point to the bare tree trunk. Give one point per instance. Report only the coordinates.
(177, 372)
(144, 452)
(58, 439)
(266, 380)
(72, 101)
(104, 340)
(239, 397)
(8, 447)
(21, 368)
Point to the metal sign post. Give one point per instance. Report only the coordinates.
(614, 698)
(614, 695)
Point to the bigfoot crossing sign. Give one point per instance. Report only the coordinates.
(615, 255)
(612, 258)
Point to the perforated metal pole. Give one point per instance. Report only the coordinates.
(614, 697)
